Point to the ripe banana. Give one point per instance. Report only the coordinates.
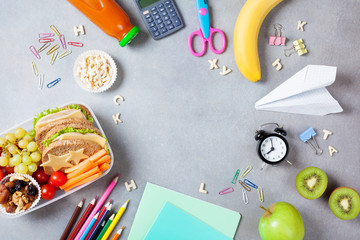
(246, 33)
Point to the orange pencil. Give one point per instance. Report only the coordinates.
(117, 234)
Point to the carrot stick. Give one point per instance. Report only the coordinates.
(104, 159)
(97, 155)
(103, 167)
(88, 179)
(78, 178)
(73, 168)
(82, 169)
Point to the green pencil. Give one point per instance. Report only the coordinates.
(106, 226)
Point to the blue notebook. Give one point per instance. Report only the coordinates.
(175, 224)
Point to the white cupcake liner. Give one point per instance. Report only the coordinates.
(22, 212)
(108, 58)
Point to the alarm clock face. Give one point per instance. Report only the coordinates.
(273, 148)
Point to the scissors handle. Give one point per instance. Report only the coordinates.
(210, 40)
(192, 35)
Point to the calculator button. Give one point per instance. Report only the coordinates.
(154, 29)
(173, 14)
(153, 9)
(160, 5)
(164, 13)
(166, 18)
(159, 21)
(161, 25)
(162, 9)
(171, 10)
(157, 17)
(156, 34)
(176, 21)
(171, 26)
(167, 2)
(146, 12)
(147, 16)
(155, 12)
(152, 24)
(149, 20)
(169, 5)
(164, 30)
(168, 22)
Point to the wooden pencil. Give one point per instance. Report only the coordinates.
(117, 234)
(72, 220)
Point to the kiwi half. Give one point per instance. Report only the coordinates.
(311, 182)
(344, 202)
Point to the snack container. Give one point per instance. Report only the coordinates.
(28, 125)
(109, 59)
(33, 205)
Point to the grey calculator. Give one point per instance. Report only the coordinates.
(161, 17)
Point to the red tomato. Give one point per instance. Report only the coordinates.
(47, 192)
(8, 169)
(1, 174)
(57, 179)
(40, 176)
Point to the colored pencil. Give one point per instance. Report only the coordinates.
(98, 206)
(72, 220)
(101, 234)
(88, 227)
(82, 219)
(97, 227)
(97, 221)
(117, 234)
(115, 221)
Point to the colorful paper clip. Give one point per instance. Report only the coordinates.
(53, 49)
(246, 171)
(261, 194)
(306, 136)
(54, 29)
(64, 54)
(34, 69)
(247, 188)
(46, 40)
(76, 44)
(41, 81)
(46, 35)
(43, 47)
(245, 197)
(33, 50)
(53, 83)
(62, 40)
(250, 184)
(226, 191)
(53, 57)
(298, 47)
(235, 176)
(277, 39)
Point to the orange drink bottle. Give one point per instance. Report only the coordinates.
(109, 17)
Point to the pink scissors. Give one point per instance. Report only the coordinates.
(205, 32)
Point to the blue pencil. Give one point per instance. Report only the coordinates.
(87, 229)
(98, 225)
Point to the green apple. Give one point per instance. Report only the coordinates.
(281, 222)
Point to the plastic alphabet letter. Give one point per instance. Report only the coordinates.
(213, 63)
(225, 71)
(300, 25)
(78, 30)
(116, 98)
(326, 133)
(131, 186)
(332, 150)
(202, 188)
(117, 118)
(276, 64)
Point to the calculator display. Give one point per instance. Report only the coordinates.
(145, 3)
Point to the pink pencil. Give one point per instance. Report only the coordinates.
(98, 206)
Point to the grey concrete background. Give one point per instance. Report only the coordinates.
(184, 124)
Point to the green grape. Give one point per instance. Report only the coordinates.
(36, 156)
(16, 169)
(13, 149)
(23, 143)
(11, 164)
(25, 152)
(22, 168)
(32, 167)
(28, 137)
(6, 154)
(32, 146)
(10, 137)
(16, 159)
(20, 132)
(27, 160)
(4, 161)
(2, 142)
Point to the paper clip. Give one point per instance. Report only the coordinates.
(235, 176)
(76, 44)
(261, 194)
(226, 191)
(34, 69)
(46, 35)
(54, 29)
(53, 49)
(247, 188)
(62, 40)
(33, 50)
(245, 197)
(247, 182)
(41, 81)
(306, 136)
(53, 83)
(246, 171)
(43, 47)
(64, 54)
(46, 40)
(53, 57)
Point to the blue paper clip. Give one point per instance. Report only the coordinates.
(227, 190)
(306, 136)
(235, 176)
(53, 83)
(250, 184)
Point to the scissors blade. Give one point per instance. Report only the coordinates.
(203, 16)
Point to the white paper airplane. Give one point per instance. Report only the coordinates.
(304, 93)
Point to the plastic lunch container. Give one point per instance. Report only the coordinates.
(28, 125)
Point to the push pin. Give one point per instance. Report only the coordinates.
(277, 65)
(300, 25)
(306, 136)
(278, 39)
(130, 186)
(78, 30)
(326, 134)
(332, 150)
(298, 47)
(202, 188)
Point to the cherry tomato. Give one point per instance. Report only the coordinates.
(47, 192)
(57, 179)
(8, 169)
(40, 176)
(1, 174)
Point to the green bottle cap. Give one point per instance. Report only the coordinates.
(129, 36)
